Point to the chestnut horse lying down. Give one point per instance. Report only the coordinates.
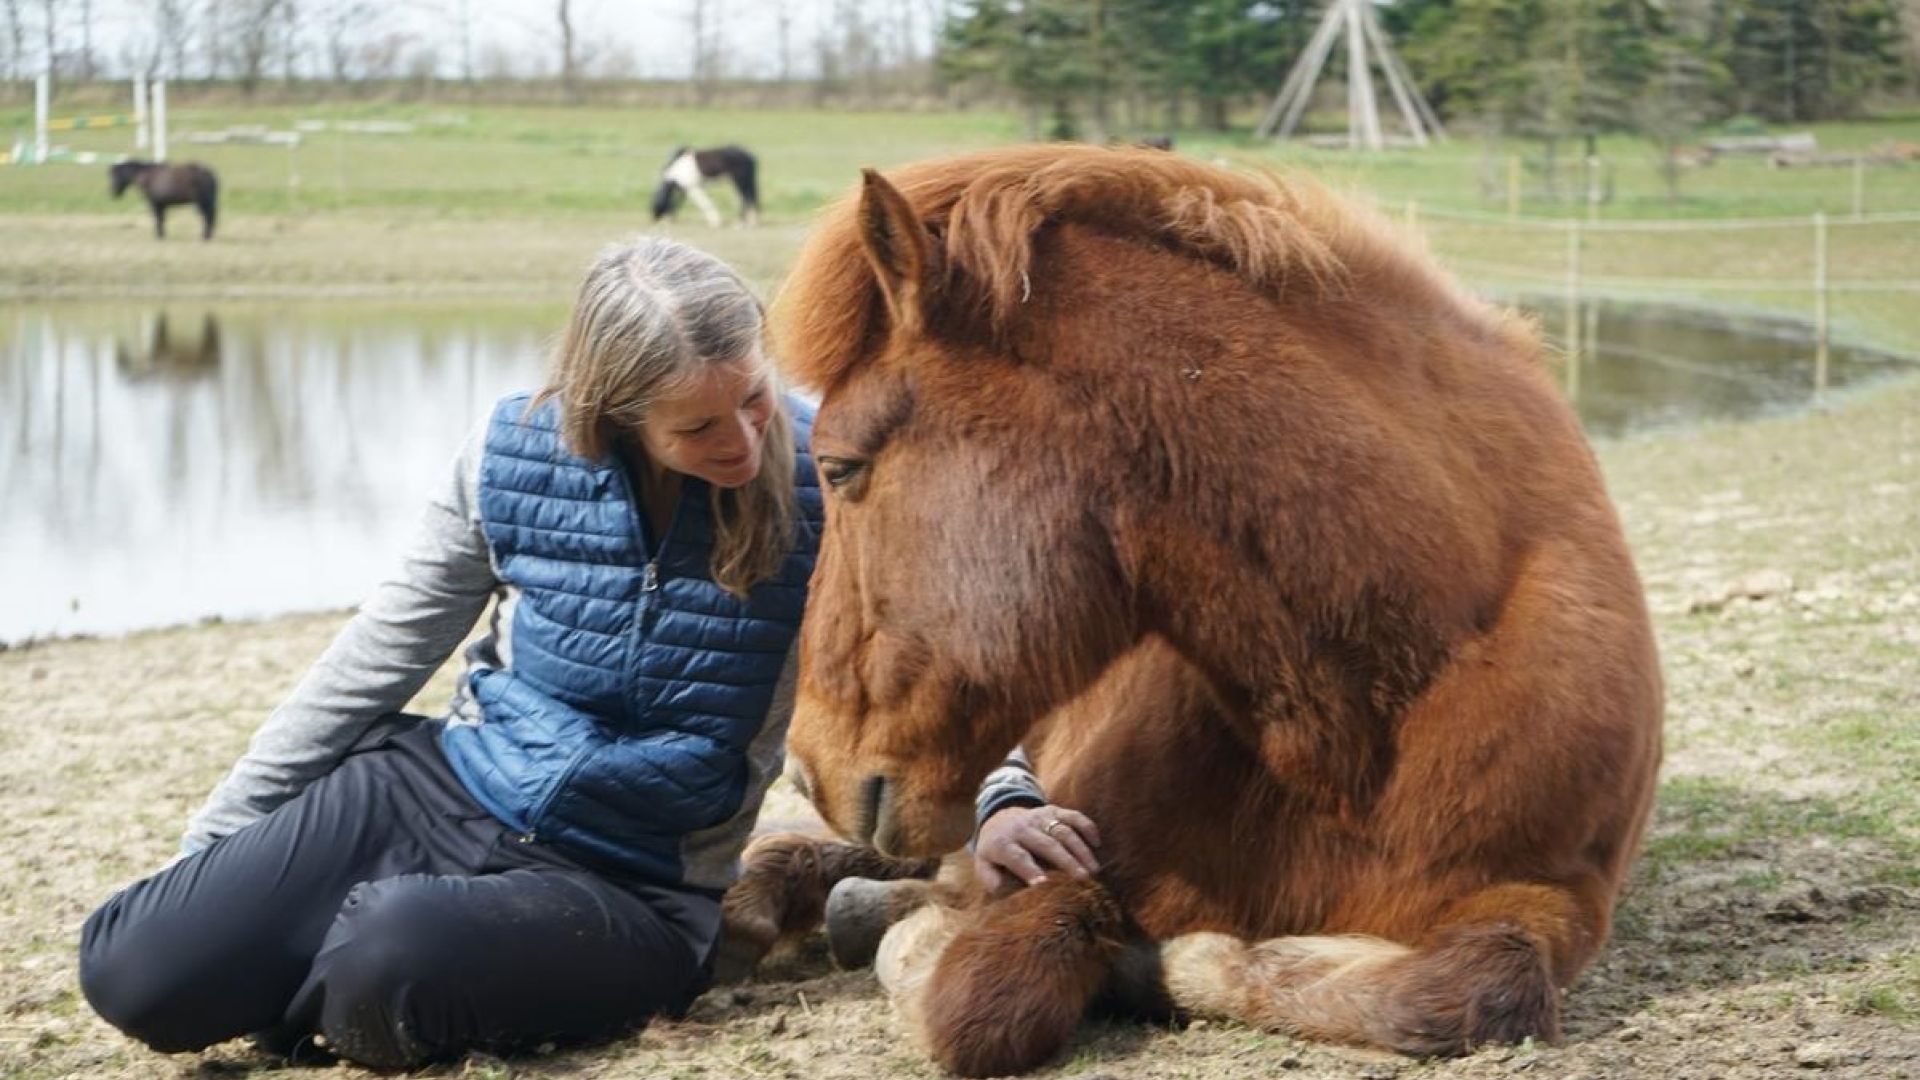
(1279, 554)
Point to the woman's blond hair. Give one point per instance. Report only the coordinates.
(652, 316)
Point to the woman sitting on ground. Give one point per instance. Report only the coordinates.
(545, 862)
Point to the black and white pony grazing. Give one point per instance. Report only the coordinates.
(688, 169)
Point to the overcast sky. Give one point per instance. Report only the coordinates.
(655, 35)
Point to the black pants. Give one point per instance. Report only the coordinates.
(386, 910)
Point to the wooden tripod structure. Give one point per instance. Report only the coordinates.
(1366, 45)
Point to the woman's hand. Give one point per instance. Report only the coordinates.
(1021, 844)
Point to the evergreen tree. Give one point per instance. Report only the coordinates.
(1040, 50)
(1679, 98)
(1797, 60)
(1551, 69)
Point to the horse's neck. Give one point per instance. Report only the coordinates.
(1316, 694)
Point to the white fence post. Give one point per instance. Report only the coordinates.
(40, 91)
(140, 137)
(160, 120)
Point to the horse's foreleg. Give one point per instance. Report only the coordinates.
(860, 911)
(206, 220)
(705, 204)
(159, 222)
(1003, 990)
(1490, 971)
(783, 890)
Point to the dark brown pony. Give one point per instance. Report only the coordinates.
(1280, 555)
(170, 185)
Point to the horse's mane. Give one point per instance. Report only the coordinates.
(985, 209)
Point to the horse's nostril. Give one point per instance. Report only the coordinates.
(801, 781)
(873, 795)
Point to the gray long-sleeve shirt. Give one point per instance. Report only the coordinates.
(393, 645)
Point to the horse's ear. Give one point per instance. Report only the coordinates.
(900, 249)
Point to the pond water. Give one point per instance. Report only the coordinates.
(163, 463)
(160, 465)
(1646, 367)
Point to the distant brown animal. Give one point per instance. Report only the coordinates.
(1279, 554)
(170, 185)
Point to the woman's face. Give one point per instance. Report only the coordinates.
(712, 429)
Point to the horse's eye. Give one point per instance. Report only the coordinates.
(841, 472)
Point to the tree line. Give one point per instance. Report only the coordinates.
(571, 45)
(1551, 68)
(1078, 68)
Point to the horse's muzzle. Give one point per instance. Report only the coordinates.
(876, 815)
(892, 822)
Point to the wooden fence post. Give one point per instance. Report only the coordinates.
(1573, 308)
(1820, 301)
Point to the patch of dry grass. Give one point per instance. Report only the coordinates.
(347, 255)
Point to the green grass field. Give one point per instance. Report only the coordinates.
(515, 198)
(527, 161)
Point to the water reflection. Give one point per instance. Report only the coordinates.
(1641, 367)
(160, 353)
(159, 466)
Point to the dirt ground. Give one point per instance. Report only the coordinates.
(1772, 930)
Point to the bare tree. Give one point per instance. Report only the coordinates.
(253, 38)
(569, 74)
(16, 40)
(52, 42)
(785, 27)
(172, 37)
(287, 42)
(213, 41)
(903, 46)
(83, 65)
(702, 17)
(344, 25)
(466, 44)
(858, 43)
(421, 63)
(615, 60)
(382, 57)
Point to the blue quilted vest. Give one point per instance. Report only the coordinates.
(635, 683)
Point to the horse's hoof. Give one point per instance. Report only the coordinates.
(735, 958)
(859, 912)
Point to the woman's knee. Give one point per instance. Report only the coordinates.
(383, 972)
(133, 986)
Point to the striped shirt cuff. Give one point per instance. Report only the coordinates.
(1012, 784)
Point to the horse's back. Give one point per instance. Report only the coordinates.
(177, 183)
